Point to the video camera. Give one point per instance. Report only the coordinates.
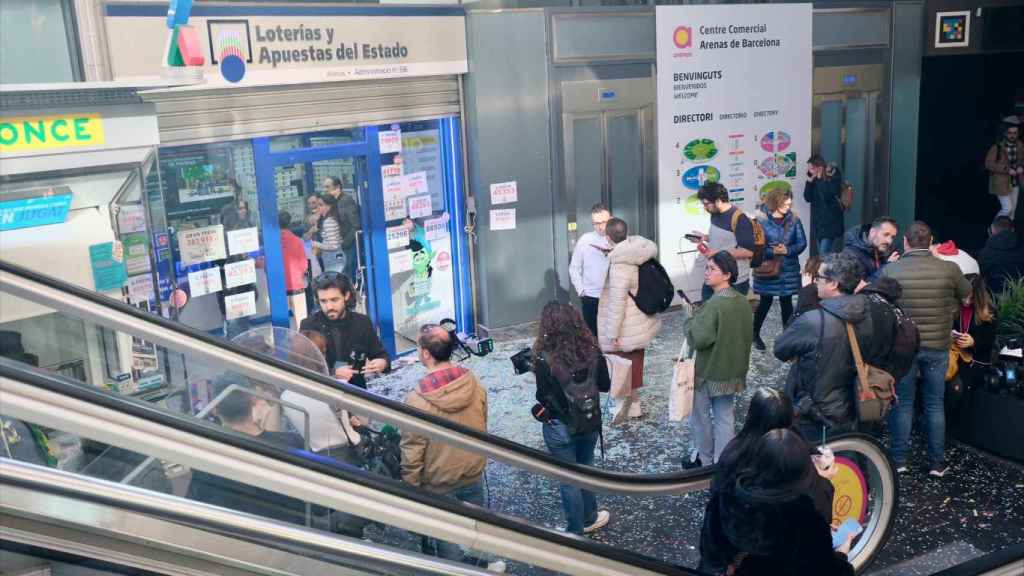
(522, 361)
(1004, 375)
(470, 345)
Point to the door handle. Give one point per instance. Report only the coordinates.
(360, 270)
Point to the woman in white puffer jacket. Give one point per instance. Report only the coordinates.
(622, 329)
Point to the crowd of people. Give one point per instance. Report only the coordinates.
(875, 295)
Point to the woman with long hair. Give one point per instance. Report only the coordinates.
(329, 244)
(785, 239)
(770, 409)
(570, 371)
(974, 343)
(769, 517)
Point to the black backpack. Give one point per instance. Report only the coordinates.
(655, 290)
(582, 398)
(905, 344)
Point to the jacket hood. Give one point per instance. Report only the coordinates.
(456, 395)
(1004, 241)
(885, 287)
(857, 237)
(762, 521)
(852, 308)
(633, 250)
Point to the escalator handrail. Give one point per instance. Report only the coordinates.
(103, 310)
(138, 417)
(222, 521)
(64, 387)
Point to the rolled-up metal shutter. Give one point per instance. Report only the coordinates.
(198, 115)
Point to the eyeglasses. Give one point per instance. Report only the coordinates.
(818, 277)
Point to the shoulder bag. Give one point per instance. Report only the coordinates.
(876, 390)
(771, 268)
(680, 395)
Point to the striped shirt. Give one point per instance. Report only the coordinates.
(330, 235)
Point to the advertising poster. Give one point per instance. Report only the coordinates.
(200, 245)
(204, 282)
(243, 241)
(397, 236)
(131, 218)
(421, 152)
(420, 206)
(734, 106)
(504, 193)
(136, 253)
(422, 286)
(239, 273)
(239, 305)
(504, 219)
(390, 141)
(108, 272)
(140, 289)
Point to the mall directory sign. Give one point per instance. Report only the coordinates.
(734, 106)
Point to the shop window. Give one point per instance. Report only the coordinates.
(207, 199)
(35, 43)
(318, 140)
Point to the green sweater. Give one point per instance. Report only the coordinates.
(721, 332)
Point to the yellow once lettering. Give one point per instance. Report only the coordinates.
(30, 133)
(59, 123)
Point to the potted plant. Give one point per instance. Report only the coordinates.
(1010, 310)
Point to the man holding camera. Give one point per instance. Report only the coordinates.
(453, 393)
(353, 348)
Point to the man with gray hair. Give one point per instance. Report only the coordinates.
(822, 386)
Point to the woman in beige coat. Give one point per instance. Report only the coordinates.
(622, 328)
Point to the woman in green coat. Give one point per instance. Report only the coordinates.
(720, 332)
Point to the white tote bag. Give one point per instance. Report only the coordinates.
(680, 395)
(620, 370)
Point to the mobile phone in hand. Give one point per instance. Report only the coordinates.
(695, 238)
(846, 529)
(682, 295)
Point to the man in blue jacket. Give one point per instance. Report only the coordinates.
(872, 245)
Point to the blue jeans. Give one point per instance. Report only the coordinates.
(825, 245)
(710, 436)
(580, 506)
(706, 292)
(931, 363)
(470, 493)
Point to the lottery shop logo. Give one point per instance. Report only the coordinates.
(682, 37)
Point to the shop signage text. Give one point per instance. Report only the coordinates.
(43, 132)
(39, 211)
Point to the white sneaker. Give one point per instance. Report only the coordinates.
(634, 409)
(496, 566)
(603, 516)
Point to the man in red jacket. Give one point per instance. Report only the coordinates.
(295, 265)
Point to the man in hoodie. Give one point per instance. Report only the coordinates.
(872, 245)
(1002, 258)
(453, 393)
(817, 341)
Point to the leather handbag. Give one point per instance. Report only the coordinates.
(771, 268)
(876, 390)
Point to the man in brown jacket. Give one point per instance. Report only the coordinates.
(451, 392)
(1006, 168)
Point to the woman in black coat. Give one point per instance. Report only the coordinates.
(770, 409)
(769, 517)
(974, 331)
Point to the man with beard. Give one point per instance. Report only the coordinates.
(871, 245)
(731, 230)
(1006, 168)
(353, 348)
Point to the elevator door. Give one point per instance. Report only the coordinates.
(607, 152)
(849, 131)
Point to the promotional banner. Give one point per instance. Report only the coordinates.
(734, 106)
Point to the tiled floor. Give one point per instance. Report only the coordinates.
(977, 508)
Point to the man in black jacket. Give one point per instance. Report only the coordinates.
(823, 389)
(872, 245)
(822, 191)
(1002, 258)
(351, 338)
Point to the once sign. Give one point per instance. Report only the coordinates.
(45, 132)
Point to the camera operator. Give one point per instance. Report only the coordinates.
(353, 348)
(453, 393)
